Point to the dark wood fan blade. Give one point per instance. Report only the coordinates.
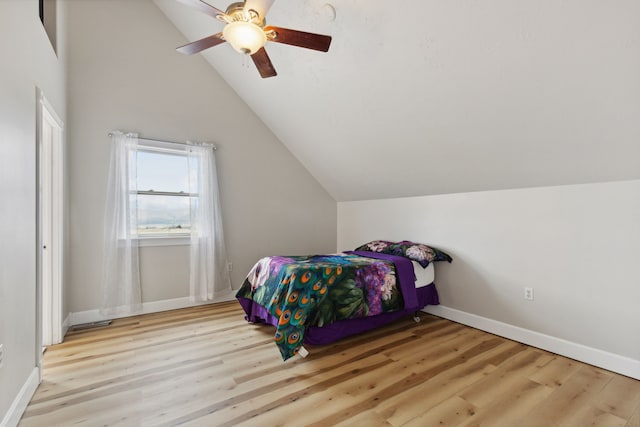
(202, 44)
(263, 64)
(300, 38)
(203, 7)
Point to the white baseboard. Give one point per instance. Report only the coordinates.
(593, 356)
(89, 316)
(66, 325)
(21, 401)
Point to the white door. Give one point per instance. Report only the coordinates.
(50, 202)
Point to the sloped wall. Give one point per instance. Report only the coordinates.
(125, 74)
(441, 97)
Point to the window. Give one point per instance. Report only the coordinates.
(155, 192)
(161, 178)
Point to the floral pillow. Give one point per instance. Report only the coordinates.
(418, 252)
(375, 246)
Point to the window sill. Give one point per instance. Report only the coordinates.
(163, 241)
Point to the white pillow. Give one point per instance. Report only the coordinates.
(424, 276)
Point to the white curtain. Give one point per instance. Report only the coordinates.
(121, 276)
(209, 276)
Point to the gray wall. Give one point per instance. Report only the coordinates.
(125, 74)
(577, 246)
(28, 61)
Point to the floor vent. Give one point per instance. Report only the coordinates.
(90, 325)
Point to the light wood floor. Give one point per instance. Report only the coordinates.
(207, 366)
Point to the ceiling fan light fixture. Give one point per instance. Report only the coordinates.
(244, 37)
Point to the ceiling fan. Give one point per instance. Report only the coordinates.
(246, 32)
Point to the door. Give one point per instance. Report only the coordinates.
(50, 211)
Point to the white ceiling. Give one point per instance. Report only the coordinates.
(443, 96)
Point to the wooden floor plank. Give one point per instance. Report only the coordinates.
(206, 366)
(504, 380)
(510, 408)
(590, 416)
(408, 404)
(574, 395)
(555, 373)
(453, 411)
(634, 421)
(619, 397)
(367, 418)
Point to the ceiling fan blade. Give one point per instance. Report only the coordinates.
(203, 7)
(263, 64)
(260, 6)
(202, 44)
(300, 38)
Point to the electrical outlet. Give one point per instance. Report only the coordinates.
(528, 294)
(1, 355)
(229, 266)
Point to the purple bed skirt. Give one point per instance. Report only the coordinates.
(427, 295)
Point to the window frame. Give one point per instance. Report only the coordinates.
(161, 239)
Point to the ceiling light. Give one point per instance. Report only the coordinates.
(245, 37)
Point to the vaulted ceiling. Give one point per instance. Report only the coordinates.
(440, 96)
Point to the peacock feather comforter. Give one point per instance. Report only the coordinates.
(299, 292)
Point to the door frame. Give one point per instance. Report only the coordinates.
(50, 237)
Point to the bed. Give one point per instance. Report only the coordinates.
(320, 299)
